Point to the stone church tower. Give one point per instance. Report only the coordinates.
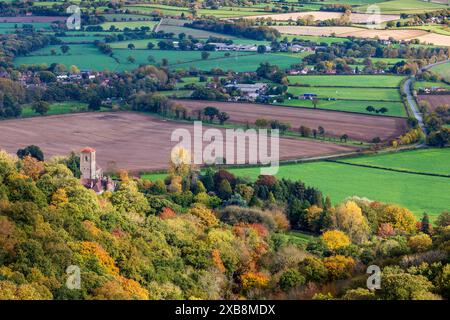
(88, 165)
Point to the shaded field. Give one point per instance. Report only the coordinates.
(129, 140)
(432, 161)
(370, 81)
(394, 108)
(356, 126)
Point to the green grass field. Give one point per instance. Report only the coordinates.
(443, 70)
(241, 63)
(433, 161)
(395, 108)
(296, 238)
(57, 108)
(417, 192)
(376, 94)
(129, 24)
(430, 84)
(316, 39)
(370, 81)
(10, 27)
(196, 33)
(175, 58)
(84, 56)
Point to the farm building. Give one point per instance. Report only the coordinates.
(249, 91)
(307, 96)
(91, 176)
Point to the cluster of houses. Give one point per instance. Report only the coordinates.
(68, 77)
(284, 47)
(433, 90)
(30, 79)
(249, 92)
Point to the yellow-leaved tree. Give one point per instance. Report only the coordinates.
(335, 239)
(348, 217)
(400, 218)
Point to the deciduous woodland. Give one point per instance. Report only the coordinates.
(91, 91)
(206, 235)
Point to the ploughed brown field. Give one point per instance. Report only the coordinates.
(435, 100)
(124, 140)
(356, 126)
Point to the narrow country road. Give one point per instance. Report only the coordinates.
(412, 103)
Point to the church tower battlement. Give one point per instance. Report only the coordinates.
(88, 165)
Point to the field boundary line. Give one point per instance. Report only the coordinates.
(389, 169)
(335, 110)
(322, 86)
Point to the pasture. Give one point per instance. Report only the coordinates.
(176, 59)
(316, 39)
(369, 81)
(57, 108)
(430, 84)
(352, 93)
(394, 108)
(240, 62)
(443, 70)
(430, 161)
(83, 56)
(120, 25)
(419, 193)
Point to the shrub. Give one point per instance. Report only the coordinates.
(290, 279)
(419, 243)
